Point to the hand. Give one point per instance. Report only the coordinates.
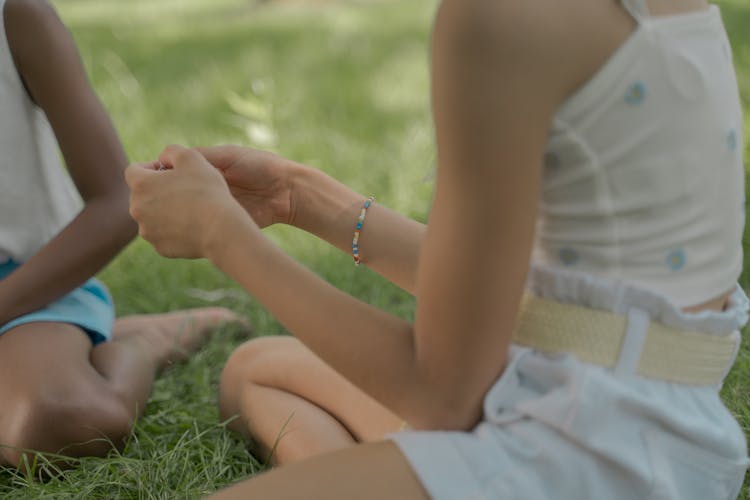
(185, 209)
(258, 180)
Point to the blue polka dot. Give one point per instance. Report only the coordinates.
(676, 259)
(732, 140)
(569, 257)
(552, 161)
(636, 93)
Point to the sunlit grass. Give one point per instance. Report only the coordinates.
(342, 85)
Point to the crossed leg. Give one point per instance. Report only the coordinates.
(291, 403)
(371, 471)
(61, 395)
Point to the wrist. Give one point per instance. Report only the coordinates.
(320, 200)
(228, 226)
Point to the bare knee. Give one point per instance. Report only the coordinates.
(246, 365)
(72, 423)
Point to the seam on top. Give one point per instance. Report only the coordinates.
(603, 193)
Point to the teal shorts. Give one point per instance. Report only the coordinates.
(88, 307)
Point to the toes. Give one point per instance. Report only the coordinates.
(220, 315)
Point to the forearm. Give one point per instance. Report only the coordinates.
(48, 62)
(389, 243)
(77, 253)
(371, 348)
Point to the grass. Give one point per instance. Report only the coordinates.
(340, 84)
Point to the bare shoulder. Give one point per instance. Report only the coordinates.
(42, 47)
(30, 14)
(564, 41)
(34, 30)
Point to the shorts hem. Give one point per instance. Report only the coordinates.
(438, 465)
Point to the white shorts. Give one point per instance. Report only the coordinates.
(557, 428)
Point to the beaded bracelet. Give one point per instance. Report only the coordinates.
(358, 229)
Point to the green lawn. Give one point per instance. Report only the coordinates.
(339, 84)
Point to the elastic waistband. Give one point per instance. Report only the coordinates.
(595, 292)
(628, 329)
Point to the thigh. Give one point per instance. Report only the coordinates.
(286, 364)
(367, 471)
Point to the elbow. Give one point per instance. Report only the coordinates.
(127, 228)
(123, 229)
(448, 414)
(450, 401)
(113, 208)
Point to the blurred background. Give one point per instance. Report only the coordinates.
(339, 84)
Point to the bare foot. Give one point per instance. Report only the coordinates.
(172, 337)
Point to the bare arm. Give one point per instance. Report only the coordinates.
(49, 64)
(433, 373)
(498, 78)
(389, 242)
(276, 190)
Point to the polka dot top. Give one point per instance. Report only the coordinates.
(644, 178)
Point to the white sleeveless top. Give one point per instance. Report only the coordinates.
(37, 197)
(644, 178)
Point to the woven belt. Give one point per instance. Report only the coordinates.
(597, 336)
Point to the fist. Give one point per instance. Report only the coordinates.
(181, 203)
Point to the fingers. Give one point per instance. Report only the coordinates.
(220, 157)
(153, 165)
(140, 179)
(180, 157)
(173, 158)
(148, 165)
(137, 171)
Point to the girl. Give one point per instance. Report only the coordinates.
(64, 386)
(600, 137)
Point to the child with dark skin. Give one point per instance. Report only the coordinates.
(62, 392)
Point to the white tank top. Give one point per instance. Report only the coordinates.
(644, 178)
(37, 197)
